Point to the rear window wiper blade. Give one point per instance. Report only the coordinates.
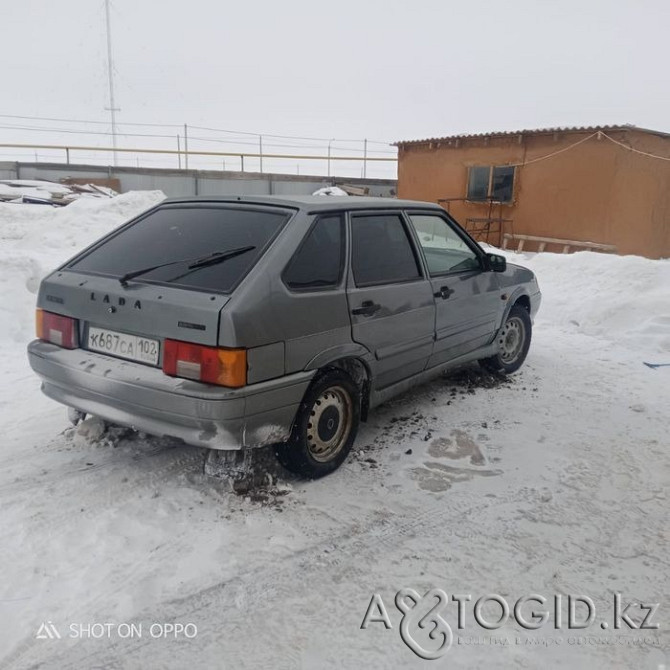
(194, 263)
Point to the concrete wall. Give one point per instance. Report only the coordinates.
(193, 182)
(595, 192)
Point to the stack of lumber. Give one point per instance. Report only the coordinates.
(40, 192)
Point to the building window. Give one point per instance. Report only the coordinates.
(478, 183)
(491, 183)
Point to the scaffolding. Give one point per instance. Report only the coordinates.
(490, 228)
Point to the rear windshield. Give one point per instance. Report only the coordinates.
(186, 233)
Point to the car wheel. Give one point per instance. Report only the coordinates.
(325, 427)
(513, 343)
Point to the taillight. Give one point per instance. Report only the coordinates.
(57, 329)
(225, 367)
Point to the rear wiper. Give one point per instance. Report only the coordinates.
(194, 263)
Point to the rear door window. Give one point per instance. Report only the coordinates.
(382, 252)
(318, 262)
(184, 234)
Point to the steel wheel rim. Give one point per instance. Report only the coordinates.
(329, 424)
(511, 340)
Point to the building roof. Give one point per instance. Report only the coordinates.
(536, 131)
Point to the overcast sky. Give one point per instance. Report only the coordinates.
(383, 70)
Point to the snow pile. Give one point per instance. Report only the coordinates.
(38, 191)
(330, 190)
(617, 298)
(35, 240)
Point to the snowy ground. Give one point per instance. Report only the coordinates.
(554, 481)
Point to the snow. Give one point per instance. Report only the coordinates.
(554, 481)
(35, 240)
(622, 299)
(330, 190)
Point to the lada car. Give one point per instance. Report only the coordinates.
(240, 322)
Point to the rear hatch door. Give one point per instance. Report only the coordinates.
(166, 274)
(141, 309)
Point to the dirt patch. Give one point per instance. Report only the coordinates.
(467, 380)
(437, 477)
(461, 446)
(254, 474)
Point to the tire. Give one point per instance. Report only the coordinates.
(513, 343)
(325, 427)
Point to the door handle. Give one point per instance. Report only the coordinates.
(367, 308)
(444, 292)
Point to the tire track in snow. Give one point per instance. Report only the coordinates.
(257, 584)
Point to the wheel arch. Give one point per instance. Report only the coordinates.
(518, 297)
(351, 359)
(524, 301)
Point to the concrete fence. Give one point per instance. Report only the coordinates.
(193, 182)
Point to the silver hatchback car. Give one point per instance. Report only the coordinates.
(240, 322)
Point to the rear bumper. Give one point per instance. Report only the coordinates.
(144, 398)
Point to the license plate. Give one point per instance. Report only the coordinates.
(123, 345)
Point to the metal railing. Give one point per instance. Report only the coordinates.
(68, 149)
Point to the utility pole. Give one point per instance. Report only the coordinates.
(329, 143)
(365, 158)
(185, 147)
(260, 149)
(110, 75)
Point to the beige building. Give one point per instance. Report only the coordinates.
(607, 185)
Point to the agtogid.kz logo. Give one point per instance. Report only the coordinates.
(425, 630)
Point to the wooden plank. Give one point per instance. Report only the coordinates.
(555, 240)
(566, 248)
(354, 190)
(542, 247)
(520, 247)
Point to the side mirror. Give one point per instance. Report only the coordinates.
(497, 263)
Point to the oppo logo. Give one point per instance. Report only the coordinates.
(119, 301)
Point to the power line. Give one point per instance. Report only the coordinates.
(175, 125)
(288, 137)
(598, 134)
(553, 153)
(82, 132)
(172, 137)
(635, 151)
(101, 123)
(294, 146)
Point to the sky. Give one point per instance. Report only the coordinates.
(386, 71)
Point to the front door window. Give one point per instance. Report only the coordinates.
(445, 250)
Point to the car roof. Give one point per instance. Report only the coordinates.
(311, 203)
